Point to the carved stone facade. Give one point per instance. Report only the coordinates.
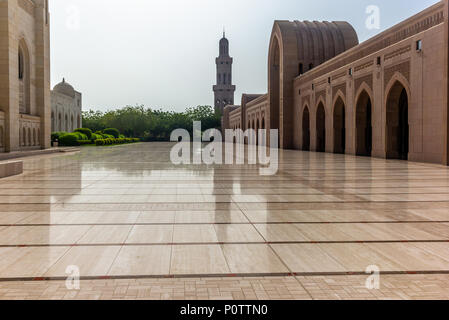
(24, 75)
(386, 97)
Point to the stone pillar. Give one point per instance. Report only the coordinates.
(313, 112)
(329, 120)
(377, 113)
(42, 25)
(350, 115)
(446, 80)
(9, 92)
(4, 68)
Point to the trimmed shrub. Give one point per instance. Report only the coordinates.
(107, 136)
(112, 131)
(96, 136)
(56, 135)
(69, 140)
(112, 141)
(84, 142)
(85, 131)
(81, 136)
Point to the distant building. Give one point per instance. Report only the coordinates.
(224, 90)
(66, 106)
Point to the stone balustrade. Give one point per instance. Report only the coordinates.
(29, 131)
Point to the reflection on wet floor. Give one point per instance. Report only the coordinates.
(127, 211)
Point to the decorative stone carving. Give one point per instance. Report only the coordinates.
(403, 68)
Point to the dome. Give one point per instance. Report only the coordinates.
(65, 88)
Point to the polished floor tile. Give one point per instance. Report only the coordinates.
(28, 262)
(157, 217)
(410, 257)
(307, 258)
(39, 235)
(355, 257)
(237, 233)
(90, 261)
(127, 211)
(151, 234)
(142, 260)
(106, 235)
(14, 217)
(218, 216)
(194, 234)
(280, 232)
(198, 259)
(252, 258)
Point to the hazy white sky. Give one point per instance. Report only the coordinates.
(161, 53)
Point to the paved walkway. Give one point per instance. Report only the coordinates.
(392, 287)
(134, 225)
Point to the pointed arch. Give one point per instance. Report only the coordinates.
(397, 129)
(363, 121)
(320, 118)
(24, 77)
(275, 82)
(338, 94)
(339, 124)
(322, 101)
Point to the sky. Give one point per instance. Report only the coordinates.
(161, 53)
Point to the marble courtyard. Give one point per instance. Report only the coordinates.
(137, 226)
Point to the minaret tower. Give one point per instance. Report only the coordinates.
(224, 90)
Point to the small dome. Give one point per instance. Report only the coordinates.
(65, 88)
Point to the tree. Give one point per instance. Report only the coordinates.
(151, 124)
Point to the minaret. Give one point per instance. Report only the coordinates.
(224, 90)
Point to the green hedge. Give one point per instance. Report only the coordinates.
(81, 136)
(56, 135)
(96, 136)
(85, 136)
(84, 142)
(113, 132)
(85, 131)
(108, 142)
(69, 140)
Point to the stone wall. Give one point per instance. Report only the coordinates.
(352, 74)
(386, 97)
(24, 31)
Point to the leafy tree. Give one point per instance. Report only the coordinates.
(150, 124)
